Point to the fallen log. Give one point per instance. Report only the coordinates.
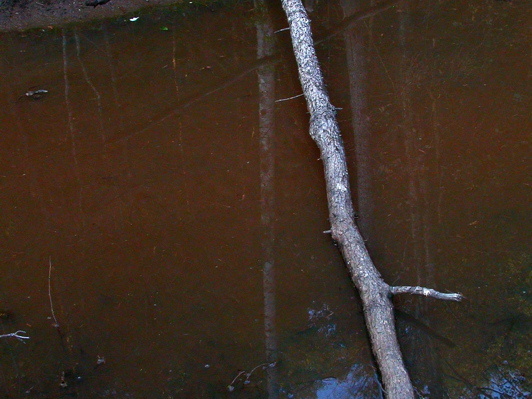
(374, 292)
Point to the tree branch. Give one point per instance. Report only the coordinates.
(17, 334)
(429, 292)
(374, 292)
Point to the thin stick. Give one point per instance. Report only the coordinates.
(18, 335)
(289, 98)
(231, 387)
(56, 324)
(426, 292)
(264, 366)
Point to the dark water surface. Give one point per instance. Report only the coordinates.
(161, 209)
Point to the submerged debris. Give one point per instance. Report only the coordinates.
(244, 373)
(34, 94)
(62, 382)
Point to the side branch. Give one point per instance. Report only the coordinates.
(429, 292)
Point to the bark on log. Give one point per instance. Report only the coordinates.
(374, 292)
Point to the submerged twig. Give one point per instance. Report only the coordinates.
(91, 85)
(17, 335)
(34, 95)
(56, 324)
(184, 103)
(264, 366)
(231, 387)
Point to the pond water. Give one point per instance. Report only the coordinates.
(162, 205)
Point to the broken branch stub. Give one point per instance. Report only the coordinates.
(428, 292)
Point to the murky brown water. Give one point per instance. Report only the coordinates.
(140, 212)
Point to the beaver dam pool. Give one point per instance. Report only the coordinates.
(163, 208)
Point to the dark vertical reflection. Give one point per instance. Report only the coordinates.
(112, 73)
(419, 350)
(10, 372)
(71, 128)
(266, 76)
(356, 64)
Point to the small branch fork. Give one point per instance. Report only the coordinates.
(17, 334)
(428, 292)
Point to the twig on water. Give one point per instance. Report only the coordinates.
(289, 98)
(17, 335)
(264, 366)
(426, 292)
(231, 387)
(56, 324)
